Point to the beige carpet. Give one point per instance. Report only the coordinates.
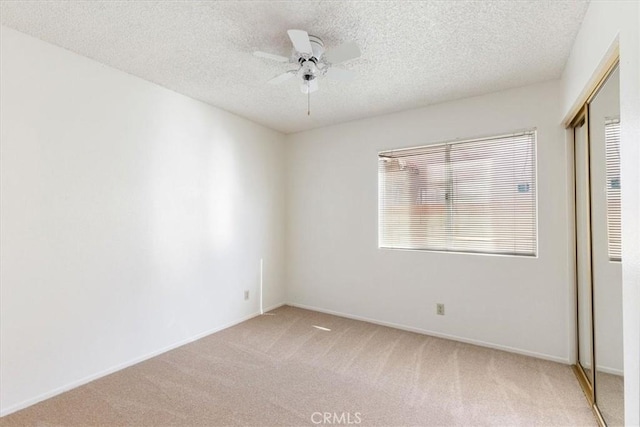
(280, 370)
(611, 398)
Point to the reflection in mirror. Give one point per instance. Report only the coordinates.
(604, 141)
(583, 250)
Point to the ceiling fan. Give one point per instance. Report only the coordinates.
(312, 61)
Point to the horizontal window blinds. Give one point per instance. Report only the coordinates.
(472, 196)
(614, 229)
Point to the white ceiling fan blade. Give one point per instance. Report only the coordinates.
(266, 55)
(309, 86)
(282, 77)
(340, 74)
(344, 52)
(300, 40)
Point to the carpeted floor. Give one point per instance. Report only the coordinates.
(281, 370)
(611, 398)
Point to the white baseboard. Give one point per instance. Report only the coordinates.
(273, 307)
(612, 371)
(563, 360)
(606, 370)
(88, 379)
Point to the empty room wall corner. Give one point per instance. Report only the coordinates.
(288, 217)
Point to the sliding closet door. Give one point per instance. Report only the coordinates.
(598, 250)
(583, 251)
(604, 141)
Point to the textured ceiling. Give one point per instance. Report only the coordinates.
(413, 53)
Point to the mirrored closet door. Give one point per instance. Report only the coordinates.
(598, 251)
(583, 254)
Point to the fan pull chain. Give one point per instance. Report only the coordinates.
(308, 99)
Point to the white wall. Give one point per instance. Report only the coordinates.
(605, 24)
(133, 219)
(517, 303)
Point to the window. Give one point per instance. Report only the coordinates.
(612, 144)
(471, 196)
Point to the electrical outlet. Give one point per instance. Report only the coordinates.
(246, 295)
(440, 309)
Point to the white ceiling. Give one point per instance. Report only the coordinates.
(414, 53)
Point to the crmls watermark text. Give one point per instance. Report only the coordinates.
(336, 418)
